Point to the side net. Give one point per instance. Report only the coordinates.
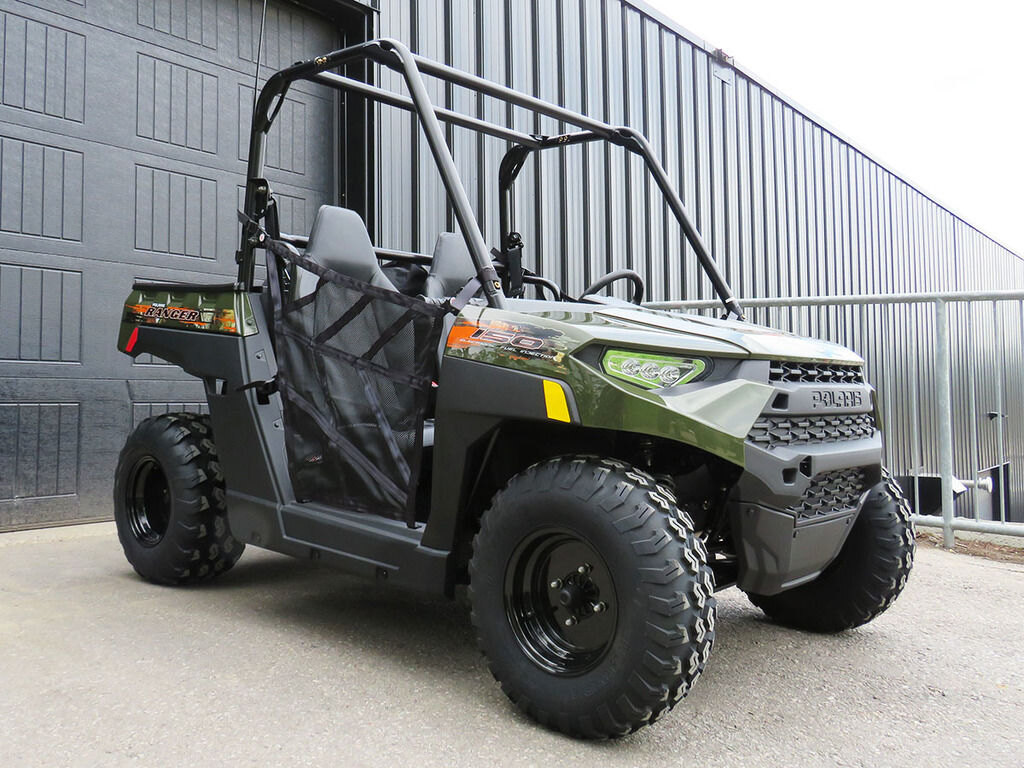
(355, 367)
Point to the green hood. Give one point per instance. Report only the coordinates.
(642, 328)
(754, 340)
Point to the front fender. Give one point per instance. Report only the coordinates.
(713, 416)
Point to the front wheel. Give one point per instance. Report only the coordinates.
(591, 596)
(866, 577)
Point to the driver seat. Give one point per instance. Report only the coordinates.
(451, 267)
(339, 241)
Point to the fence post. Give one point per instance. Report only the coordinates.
(944, 398)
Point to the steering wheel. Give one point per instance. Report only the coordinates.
(619, 274)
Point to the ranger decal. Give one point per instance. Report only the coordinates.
(220, 320)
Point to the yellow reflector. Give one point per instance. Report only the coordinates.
(554, 400)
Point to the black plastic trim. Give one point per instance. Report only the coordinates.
(142, 285)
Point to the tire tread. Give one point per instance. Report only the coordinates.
(200, 545)
(680, 605)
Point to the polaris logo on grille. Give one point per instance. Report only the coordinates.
(837, 398)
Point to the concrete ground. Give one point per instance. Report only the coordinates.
(284, 663)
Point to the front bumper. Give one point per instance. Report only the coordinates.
(775, 554)
(784, 540)
(801, 491)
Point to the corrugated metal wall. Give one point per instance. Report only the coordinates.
(787, 207)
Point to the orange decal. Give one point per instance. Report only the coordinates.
(514, 341)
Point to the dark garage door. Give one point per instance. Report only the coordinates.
(122, 133)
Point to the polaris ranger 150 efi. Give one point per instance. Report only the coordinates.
(593, 470)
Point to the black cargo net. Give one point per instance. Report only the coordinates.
(355, 367)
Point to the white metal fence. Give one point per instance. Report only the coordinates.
(949, 369)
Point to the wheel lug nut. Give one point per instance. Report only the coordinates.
(556, 584)
(583, 570)
(570, 621)
(598, 607)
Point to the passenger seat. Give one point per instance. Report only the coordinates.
(339, 241)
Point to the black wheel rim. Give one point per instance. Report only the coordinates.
(148, 502)
(560, 601)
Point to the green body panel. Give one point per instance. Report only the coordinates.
(714, 416)
(216, 309)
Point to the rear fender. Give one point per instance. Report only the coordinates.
(197, 327)
(218, 335)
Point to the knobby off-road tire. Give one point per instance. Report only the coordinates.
(866, 577)
(169, 502)
(620, 665)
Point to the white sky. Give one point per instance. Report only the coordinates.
(933, 90)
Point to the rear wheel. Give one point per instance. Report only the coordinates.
(866, 577)
(169, 502)
(591, 596)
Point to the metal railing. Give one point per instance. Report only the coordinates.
(949, 369)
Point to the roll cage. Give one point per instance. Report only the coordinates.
(396, 56)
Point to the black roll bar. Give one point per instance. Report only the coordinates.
(396, 56)
(446, 115)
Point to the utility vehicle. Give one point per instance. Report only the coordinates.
(592, 469)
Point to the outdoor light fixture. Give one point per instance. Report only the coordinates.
(651, 371)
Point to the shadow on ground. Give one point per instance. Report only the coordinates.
(311, 604)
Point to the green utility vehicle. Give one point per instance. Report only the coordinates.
(592, 469)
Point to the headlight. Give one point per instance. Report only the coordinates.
(651, 371)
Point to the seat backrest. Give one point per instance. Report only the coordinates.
(339, 241)
(451, 267)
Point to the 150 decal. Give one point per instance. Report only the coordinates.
(508, 340)
(495, 336)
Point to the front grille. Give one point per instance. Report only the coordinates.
(774, 431)
(830, 492)
(818, 373)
